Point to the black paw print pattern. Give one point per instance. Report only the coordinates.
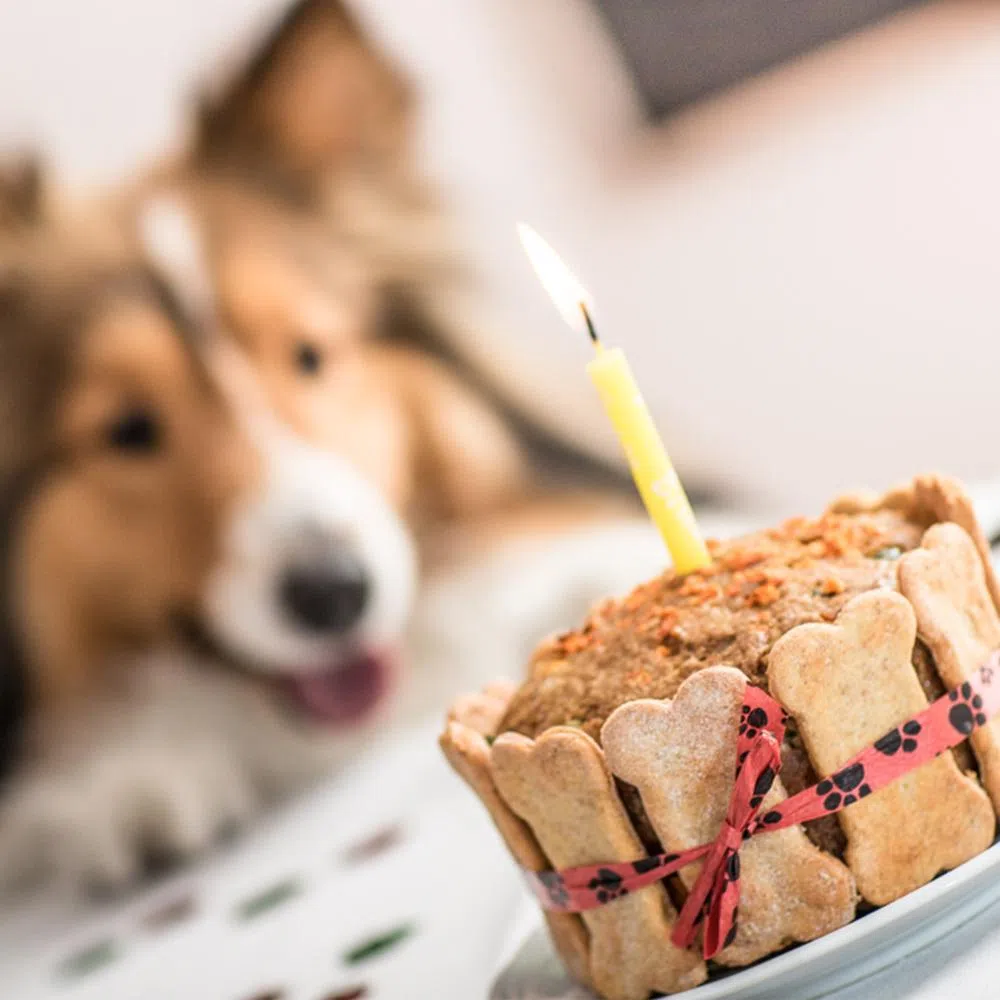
(733, 867)
(965, 715)
(762, 786)
(644, 865)
(731, 933)
(901, 738)
(843, 788)
(752, 721)
(607, 885)
(554, 887)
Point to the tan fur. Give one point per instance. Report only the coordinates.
(322, 234)
(21, 193)
(315, 97)
(109, 544)
(402, 418)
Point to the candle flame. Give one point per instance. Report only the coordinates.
(569, 296)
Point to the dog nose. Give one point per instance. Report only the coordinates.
(328, 594)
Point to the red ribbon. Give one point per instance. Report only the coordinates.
(713, 901)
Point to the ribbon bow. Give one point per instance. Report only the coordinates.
(714, 898)
(713, 902)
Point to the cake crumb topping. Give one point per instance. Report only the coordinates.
(756, 588)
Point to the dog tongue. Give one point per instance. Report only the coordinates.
(344, 695)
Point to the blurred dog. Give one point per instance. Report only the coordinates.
(150, 492)
(337, 275)
(226, 448)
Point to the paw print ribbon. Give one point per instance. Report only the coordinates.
(713, 902)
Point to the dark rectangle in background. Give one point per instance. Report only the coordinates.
(680, 50)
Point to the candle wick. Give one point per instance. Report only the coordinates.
(590, 324)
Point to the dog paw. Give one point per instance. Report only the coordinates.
(106, 822)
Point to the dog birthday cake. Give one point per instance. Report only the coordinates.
(711, 769)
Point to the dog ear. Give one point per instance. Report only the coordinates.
(315, 98)
(468, 462)
(22, 192)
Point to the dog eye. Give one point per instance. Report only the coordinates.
(308, 359)
(136, 431)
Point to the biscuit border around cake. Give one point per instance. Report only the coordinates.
(925, 501)
(928, 499)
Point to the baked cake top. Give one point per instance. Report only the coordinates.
(732, 612)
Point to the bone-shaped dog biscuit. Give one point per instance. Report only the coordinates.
(847, 685)
(945, 582)
(483, 710)
(467, 751)
(681, 756)
(927, 500)
(561, 787)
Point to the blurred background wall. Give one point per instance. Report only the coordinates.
(803, 268)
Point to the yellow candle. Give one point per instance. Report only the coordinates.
(654, 475)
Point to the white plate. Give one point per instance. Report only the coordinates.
(847, 956)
